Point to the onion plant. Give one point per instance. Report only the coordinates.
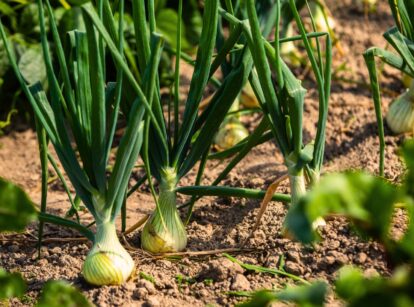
(84, 105)
(401, 38)
(283, 104)
(174, 143)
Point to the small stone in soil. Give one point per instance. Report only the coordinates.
(330, 260)
(149, 286)
(56, 250)
(240, 283)
(129, 286)
(13, 248)
(140, 293)
(361, 258)
(42, 262)
(293, 256)
(220, 269)
(339, 257)
(152, 302)
(293, 268)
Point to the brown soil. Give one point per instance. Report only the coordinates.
(225, 223)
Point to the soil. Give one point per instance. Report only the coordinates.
(221, 223)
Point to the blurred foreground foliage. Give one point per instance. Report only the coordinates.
(16, 211)
(369, 203)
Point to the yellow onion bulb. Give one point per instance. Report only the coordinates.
(406, 80)
(248, 97)
(230, 133)
(400, 116)
(368, 5)
(165, 232)
(108, 263)
(322, 24)
(289, 51)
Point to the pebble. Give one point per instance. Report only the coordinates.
(293, 268)
(361, 258)
(330, 260)
(65, 260)
(272, 261)
(334, 244)
(129, 286)
(293, 256)
(44, 251)
(152, 302)
(42, 262)
(203, 293)
(220, 269)
(339, 257)
(55, 250)
(240, 283)
(13, 248)
(140, 293)
(172, 293)
(149, 286)
(186, 261)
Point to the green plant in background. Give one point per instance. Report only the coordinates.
(401, 38)
(21, 22)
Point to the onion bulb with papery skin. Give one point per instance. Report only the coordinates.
(230, 133)
(400, 116)
(322, 24)
(368, 5)
(248, 97)
(406, 80)
(288, 50)
(164, 232)
(108, 263)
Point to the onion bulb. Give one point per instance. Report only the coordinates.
(319, 13)
(368, 5)
(108, 263)
(230, 133)
(400, 116)
(164, 231)
(248, 97)
(288, 50)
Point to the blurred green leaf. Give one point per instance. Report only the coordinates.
(16, 209)
(167, 20)
(11, 285)
(32, 66)
(6, 9)
(4, 61)
(408, 155)
(361, 291)
(77, 2)
(367, 200)
(61, 294)
(29, 20)
(307, 296)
